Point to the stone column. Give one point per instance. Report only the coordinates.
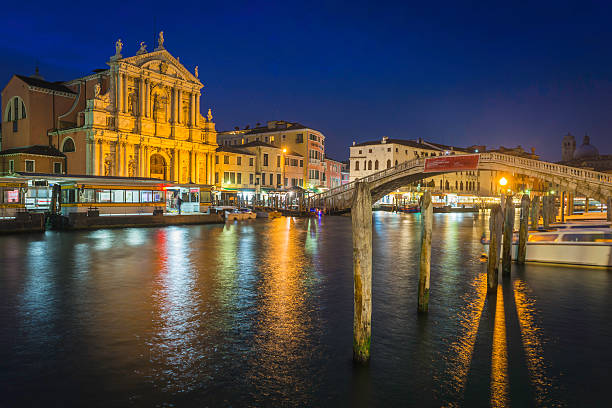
(124, 93)
(141, 97)
(119, 99)
(147, 97)
(178, 106)
(197, 109)
(173, 104)
(146, 161)
(197, 168)
(93, 154)
(191, 109)
(100, 165)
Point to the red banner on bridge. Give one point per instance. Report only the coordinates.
(451, 163)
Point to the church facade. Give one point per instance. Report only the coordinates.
(140, 117)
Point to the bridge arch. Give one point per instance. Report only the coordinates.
(579, 181)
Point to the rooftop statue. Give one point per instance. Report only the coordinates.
(209, 116)
(96, 91)
(143, 48)
(196, 71)
(160, 41)
(118, 47)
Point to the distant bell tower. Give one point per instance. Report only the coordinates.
(568, 147)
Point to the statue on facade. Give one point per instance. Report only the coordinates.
(118, 47)
(196, 72)
(108, 164)
(143, 48)
(160, 40)
(97, 88)
(133, 103)
(132, 167)
(209, 116)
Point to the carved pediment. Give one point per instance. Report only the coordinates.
(162, 62)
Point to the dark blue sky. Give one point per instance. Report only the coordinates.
(459, 73)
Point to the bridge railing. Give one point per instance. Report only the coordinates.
(372, 177)
(553, 168)
(515, 161)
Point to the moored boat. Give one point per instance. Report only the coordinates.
(572, 246)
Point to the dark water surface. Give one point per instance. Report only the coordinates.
(260, 313)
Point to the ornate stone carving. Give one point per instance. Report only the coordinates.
(143, 48)
(108, 164)
(97, 88)
(209, 116)
(196, 72)
(163, 67)
(160, 40)
(132, 164)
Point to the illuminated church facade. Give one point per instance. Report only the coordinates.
(140, 117)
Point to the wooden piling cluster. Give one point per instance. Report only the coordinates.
(608, 213)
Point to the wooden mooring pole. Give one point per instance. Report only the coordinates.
(523, 229)
(495, 233)
(361, 215)
(608, 213)
(508, 235)
(545, 211)
(535, 212)
(425, 258)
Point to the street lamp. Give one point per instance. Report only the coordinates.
(503, 181)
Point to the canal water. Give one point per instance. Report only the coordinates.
(260, 313)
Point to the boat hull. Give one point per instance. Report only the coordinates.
(569, 253)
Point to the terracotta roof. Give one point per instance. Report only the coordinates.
(266, 129)
(36, 149)
(258, 143)
(40, 83)
(232, 149)
(412, 143)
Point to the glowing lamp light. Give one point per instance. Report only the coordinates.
(503, 181)
(284, 150)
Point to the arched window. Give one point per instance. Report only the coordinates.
(356, 165)
(396, 162)
(376, 165)
(15, 109)
(447, 185)
(440, 184)
(68, 145)
(388, 164)
(461, 186)
(456, 185)
(370, 165)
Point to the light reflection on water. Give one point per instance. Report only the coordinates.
(260, 313)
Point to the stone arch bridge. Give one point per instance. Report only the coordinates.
(591, 184)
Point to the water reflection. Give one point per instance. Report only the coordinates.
(176, 313)
(532, 344)
(499, 356)
(286, 319)
(461, 350)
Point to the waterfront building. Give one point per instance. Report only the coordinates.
(32, 159)
(140, 117)
(295, 137)
(256, 168)
(345, 172)
(333, 177)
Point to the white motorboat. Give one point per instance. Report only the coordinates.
(572, 246)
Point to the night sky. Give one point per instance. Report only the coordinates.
(459, 73)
